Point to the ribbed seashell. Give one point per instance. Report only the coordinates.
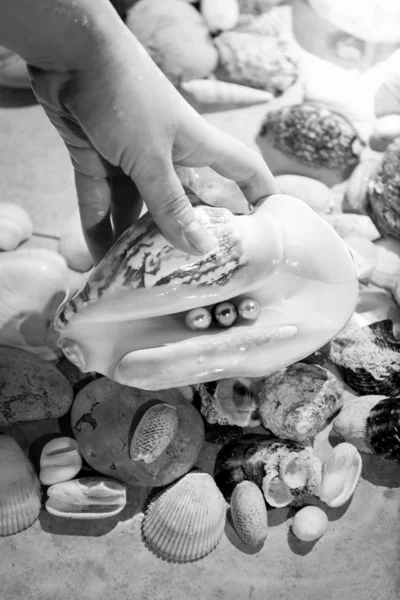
(347, 224)
(249, 514)
(356, 197)
(386, 129)
(186, 521)
(15, 225)
(33, 285)
(384, 192)
(313, 192)
(312, 140)
(386, 273)
(296, 403)
(128, 321)
(341, 473)
(371, 424)
(212, 92)
(365, 256)
(276, 492)
(265, 63)
(13, 70)
(60, 460)
(220, 15)
(20, 490)
(368, 358)
(72, 245)
(231, 401)
(86, 498)
(155, 431)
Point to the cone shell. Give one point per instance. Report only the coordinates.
(86, 498)
(386, 272)
(249, 514)
(341, 474)
(296, 403)
(15, 225)
(256, 61)
(276, 492)
(60, 460)
(20, 492)
(368, 358)
(384, 192)
(154, 432)
(186, 521)
(212, 91)
(372, 424)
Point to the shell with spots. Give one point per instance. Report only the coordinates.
(249, 514)
(154, 432)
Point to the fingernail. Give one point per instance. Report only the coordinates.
(199, 237)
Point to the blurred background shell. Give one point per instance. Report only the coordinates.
(384, 192)
(15, 226)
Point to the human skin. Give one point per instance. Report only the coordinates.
(126, 127)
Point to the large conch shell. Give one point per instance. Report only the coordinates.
(128, 321)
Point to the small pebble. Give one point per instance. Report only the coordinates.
(225, 314)
(198, 319)
(309, 524)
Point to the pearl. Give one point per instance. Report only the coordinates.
(198, 319)
(249, 309)
(309, 524)
(225, 314)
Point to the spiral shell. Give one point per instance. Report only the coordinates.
(15, 226)
(154, 432)
(20, 490)
(341, 473)
(231, 401)
(296, 403)
(186, 521)
(249, 514)
(384, 192)
(212, 91)
(368, 358)
(371, 424)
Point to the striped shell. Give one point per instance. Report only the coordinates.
(186, 521)
(249, 514)
(20, 490)
(154, 432)
(212, 91)
(341, 473)
(371, 424)
(384, 192)
(368, 358)
(296, 403)
(265, 63)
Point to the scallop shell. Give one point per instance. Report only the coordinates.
(86, 498)
(60, 460)
(312, 140)
(220, 15)
(265, 63)
(154, 432)
(249, 514)
(296, 403)
(186, 521)
(72, 245)
(276, 492)
(128, 321)
(212, 91)
(384, 192)
(341, 474)
(368, 358)
(20, 490)
(15, 225)
(371, 424)
(231, 401)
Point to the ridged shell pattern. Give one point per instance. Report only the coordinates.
(186, 521)
(249, 514)
(154, 432)
(20, 490)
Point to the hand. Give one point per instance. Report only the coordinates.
(127, 129)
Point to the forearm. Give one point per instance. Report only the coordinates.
(61, 35)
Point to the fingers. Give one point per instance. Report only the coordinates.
(170, 207)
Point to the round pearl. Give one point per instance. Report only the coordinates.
(309, 523)
(225, 314)
(198, 319)
(249, 309)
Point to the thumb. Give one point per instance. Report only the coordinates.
(165, 198)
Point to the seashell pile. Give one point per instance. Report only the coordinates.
(186, 521)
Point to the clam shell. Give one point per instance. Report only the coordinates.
(20, 490)
(60, 460)
(368, 358)
(231, 401)
(293, 470)
(86, 498)
(341, 473)
(276, 492)
(154, 432)
(249, 514)
(186, 521)
(384, 192)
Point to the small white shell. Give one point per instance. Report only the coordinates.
(15, 226)
(386, 273)
(212, 91)
(310, 523)
(276, 492)
(365, 256)
(220, 15)
(341, 474)
(72, 245)
(60, 461)
(86, 498)
(348, 224)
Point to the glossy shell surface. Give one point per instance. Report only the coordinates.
(60, 460)
(341, 474)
